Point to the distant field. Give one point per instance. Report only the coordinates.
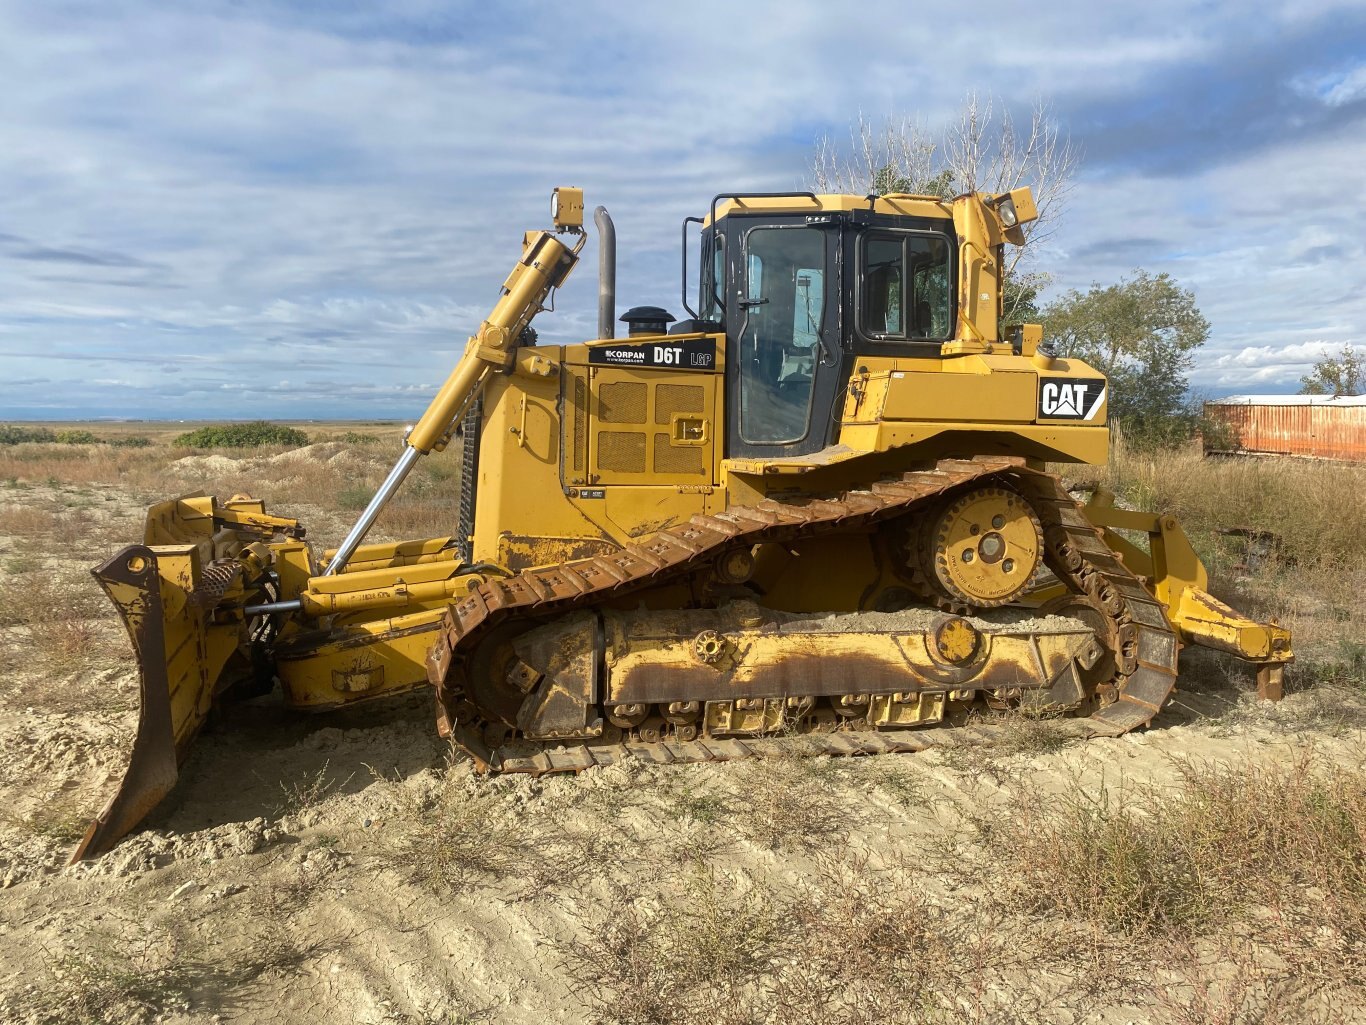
(163, 431)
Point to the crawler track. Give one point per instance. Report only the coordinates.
(1140, 664)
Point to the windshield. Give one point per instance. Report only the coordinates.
(781, 314)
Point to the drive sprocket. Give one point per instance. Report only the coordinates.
(982, 548)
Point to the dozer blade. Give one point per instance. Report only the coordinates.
(163, 596)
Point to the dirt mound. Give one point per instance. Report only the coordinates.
(209, 465)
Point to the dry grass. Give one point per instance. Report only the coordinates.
(848, 944)
(111, 979)
(1310, 578)
(135, 469)
(419, 518)
(62, 624)
(1310, 504)
(1252, 841)
(26, 522)
(783, 802)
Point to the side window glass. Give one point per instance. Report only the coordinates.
(713, 279)
(930, 286)
(882, 297)
(906, 288)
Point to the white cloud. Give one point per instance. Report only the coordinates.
(1334, 88)
(1260, 356)
(345, 189)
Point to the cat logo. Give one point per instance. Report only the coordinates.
(1070, 399)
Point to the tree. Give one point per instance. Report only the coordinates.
(980, 153)
(1345, 375)
(1141, 333)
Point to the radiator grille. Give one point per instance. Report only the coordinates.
(622, 402)
(676, 459)
(580, 402)
(622, 451)
(677, 398)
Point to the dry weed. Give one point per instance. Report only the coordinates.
(785, 803)
(463, 835)
(700, 955)
(846, 944)
(903, 783)
(112, 979)
(63, 625)
(1230, 842)
(1019, 732)
(61, 821)
(1230, 983)
(303, 795)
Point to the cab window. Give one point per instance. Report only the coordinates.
(907, 286)
(782, 314)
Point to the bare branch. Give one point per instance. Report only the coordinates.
(981, 152)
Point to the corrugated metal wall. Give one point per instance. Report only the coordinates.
(1329, 432)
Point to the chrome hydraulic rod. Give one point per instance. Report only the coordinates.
(270, 607)
(367, 519)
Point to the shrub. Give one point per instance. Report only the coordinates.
(359, 438)
(1152, 433)
(132, 441)
(71, 436)
(248, 435)
(11, 435)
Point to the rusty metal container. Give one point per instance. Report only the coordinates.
(1319, 426)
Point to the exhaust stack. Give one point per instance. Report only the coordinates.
(607, 273)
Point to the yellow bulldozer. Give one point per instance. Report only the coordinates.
(818, 505)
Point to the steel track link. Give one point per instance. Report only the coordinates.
(1145, 645)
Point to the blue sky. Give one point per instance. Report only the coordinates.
(302, 209)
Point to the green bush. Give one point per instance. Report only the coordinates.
(75, 437)
(1219, 435)
(359, 438)
(249, 435)
(10, 435)
(1154, 433)
(133, 441)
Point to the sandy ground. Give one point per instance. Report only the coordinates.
(292, 876)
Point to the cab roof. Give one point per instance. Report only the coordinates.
(895, 204)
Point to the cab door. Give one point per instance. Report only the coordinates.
(783, 333)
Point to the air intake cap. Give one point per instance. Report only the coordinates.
(647, 320)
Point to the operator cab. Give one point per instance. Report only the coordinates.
(802, 285)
